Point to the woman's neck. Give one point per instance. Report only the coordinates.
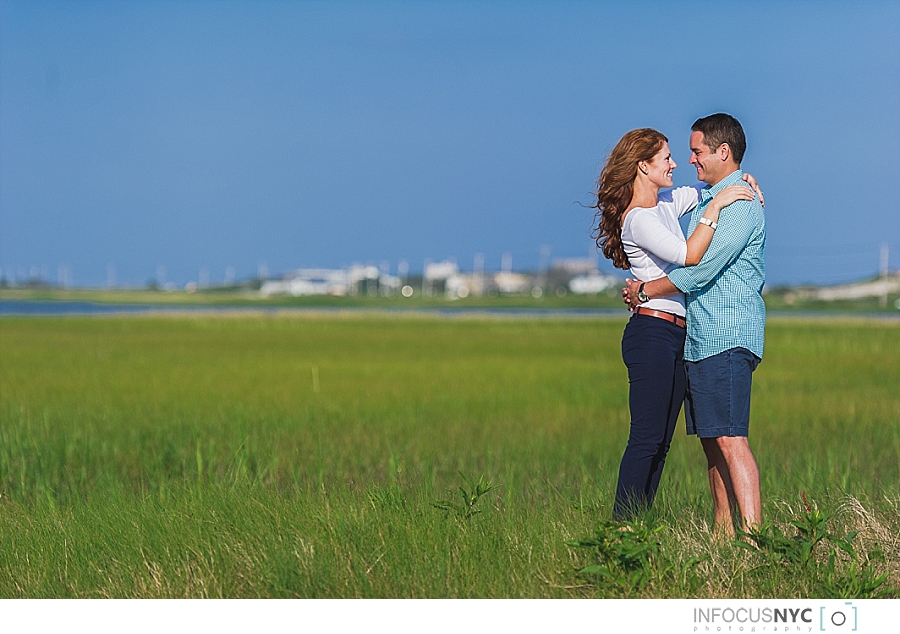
(646, 194)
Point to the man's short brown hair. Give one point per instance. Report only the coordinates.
(722, 128)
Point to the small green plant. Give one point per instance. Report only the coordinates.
(386, 497)
(626, 552)
(847, 576)
(797, 549)
(390, 496)
(856, 581)
(468, 496)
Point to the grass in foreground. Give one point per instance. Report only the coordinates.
(340, 457)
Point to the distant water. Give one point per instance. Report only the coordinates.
(16, 307)
(60, 308)
(28, 307)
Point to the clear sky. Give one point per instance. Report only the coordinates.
(207, 135)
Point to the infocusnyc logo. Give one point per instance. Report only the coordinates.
(812, 618)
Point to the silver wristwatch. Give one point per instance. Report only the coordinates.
(642, 296)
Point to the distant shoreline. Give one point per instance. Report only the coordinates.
(63, 308)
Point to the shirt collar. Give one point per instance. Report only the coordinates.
(734, 178)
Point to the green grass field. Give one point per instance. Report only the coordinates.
(339, 456)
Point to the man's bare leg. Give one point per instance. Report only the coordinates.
(720, 487)
(743, 474)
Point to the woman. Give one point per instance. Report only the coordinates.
(638, 229)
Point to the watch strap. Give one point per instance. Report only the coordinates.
(642, 296)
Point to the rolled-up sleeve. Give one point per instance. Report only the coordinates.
(736, 226)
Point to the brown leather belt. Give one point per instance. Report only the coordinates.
(669, 317)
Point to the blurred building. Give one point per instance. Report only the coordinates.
(580, 276)
(576, 275)
(355, 280)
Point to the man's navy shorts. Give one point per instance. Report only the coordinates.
(718, 394)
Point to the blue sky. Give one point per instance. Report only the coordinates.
(208, 135)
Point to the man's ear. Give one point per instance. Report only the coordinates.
(724, 152)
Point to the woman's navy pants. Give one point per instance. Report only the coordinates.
(653, 351)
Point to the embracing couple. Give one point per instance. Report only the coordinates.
(696, 332)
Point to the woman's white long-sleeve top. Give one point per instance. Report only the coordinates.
(655, 244)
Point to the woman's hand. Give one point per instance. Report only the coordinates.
(748, 178)
(629, 293)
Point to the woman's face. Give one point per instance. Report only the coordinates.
(659, 169)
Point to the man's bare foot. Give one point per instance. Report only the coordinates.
(721, 535)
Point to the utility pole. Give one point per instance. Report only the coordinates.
(478, 273)
(884, 274)
(543, 266)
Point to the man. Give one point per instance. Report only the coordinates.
(725, 322)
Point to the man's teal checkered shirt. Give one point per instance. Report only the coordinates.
(723, 293)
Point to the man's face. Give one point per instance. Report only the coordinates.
(706, 160)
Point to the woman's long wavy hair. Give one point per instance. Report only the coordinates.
(615, 188)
